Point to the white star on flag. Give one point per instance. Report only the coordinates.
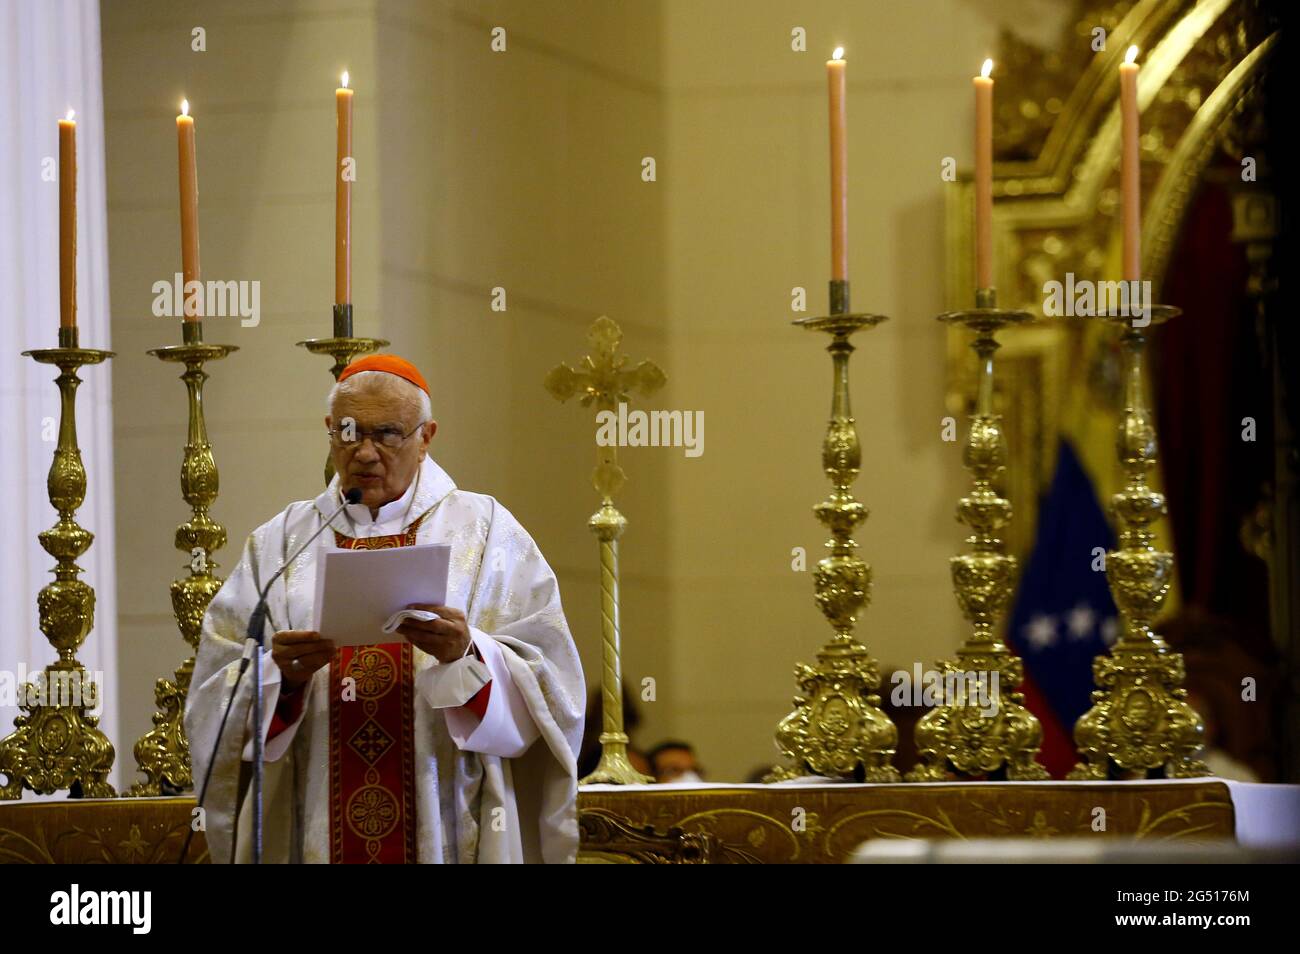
(1082, 620)
(1041, 632)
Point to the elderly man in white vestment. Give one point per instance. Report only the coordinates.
(458, 742)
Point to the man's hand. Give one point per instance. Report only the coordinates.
(299, 653)
(446, 638)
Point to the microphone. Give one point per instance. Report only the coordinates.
(257, 622)
(253, 642)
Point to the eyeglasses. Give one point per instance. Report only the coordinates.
(387, 437)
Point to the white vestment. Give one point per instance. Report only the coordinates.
(502, 789)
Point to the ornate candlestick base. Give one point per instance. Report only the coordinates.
(57, 744)
(342, 347)
(1140, 721)
(162, 754)
(605, 380)
(837, 728)
(982, 726)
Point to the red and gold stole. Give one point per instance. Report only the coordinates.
(372, 748)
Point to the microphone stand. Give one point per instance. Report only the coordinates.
(252, 648)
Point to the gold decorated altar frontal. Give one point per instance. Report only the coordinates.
(719, 824)
(129, 831)
(823, 824)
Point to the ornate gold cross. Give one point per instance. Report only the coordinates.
(605, 380)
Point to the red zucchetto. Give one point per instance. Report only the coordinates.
(389, 364)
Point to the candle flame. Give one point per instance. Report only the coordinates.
(345, 79)
(185, 107)
(838, 54)
(986, 69)
(71, 113)
(1131, 55)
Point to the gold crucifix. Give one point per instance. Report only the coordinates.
(605, 380)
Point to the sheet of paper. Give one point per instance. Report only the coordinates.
(358, 590)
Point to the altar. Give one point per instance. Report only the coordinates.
(810, 821)
(1062, 329)
(814, 822)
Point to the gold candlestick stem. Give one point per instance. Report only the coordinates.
(981, 726)
(1140, 720)
(57, 743)
(837, 727)
(605, 381)
(342, 347)
(162, 754)
(614, 768)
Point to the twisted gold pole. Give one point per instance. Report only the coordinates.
(342, 347)
(1140, 720)
(162, 754)
(837, 727)
(57, 744)
(982, 727)
(606, 381)
(608, 524)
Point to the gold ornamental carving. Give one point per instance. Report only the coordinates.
(57, 744)
(607, 838)
(1140, 722)
(983, 728)
(162, 754)
(837, 728)
(605, 380)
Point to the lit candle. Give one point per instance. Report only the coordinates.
(1129, 177)
(343, 198)
(984, 177)
(189, 179)
(67, 222)
(835, 68)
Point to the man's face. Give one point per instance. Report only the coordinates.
(672, 764)
(382, 474)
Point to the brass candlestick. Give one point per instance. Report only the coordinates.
(163, 753)
(342, 347)
(606, 381)
(982, 726)
(1140, 719)
(57, 744)
(837, 727)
